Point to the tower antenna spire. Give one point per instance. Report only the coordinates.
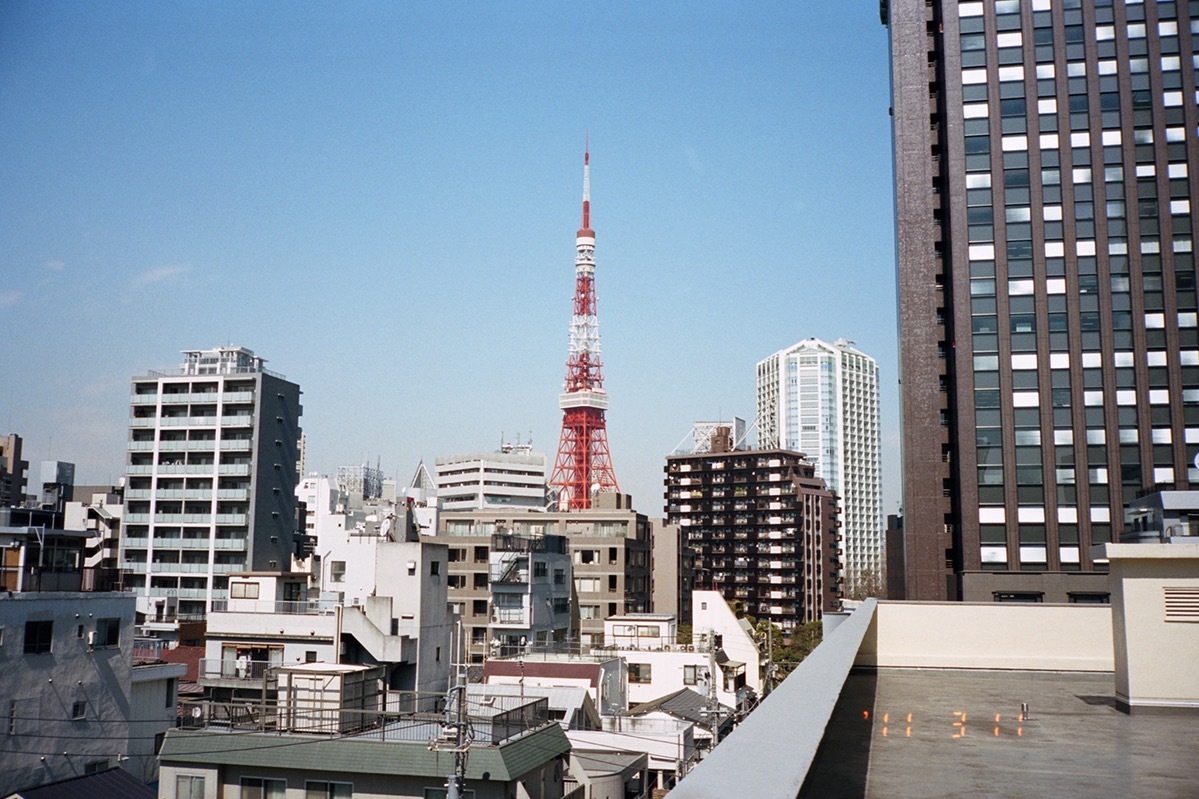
(586, 182)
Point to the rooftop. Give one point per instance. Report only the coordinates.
(935, 732)
(924, 699)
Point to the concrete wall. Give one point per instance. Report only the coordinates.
(989, 636)
(713, 614)
(1156, 642)
(153, 700)
(40, 690)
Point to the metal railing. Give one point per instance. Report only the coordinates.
(308, 607)
(300, 717)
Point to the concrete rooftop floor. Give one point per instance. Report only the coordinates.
(958, 733)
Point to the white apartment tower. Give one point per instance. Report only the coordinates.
(822, 399)
(210, 481)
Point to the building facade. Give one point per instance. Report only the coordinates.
(610, 551)
(764, 528)
(512, 479)
(821, 399)
(211, 478)
(14, 471)
(75, 698)
(1049, 323)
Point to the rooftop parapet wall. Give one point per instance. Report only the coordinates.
(989, 636)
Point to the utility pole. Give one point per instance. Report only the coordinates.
(713, 711)
(456, 724)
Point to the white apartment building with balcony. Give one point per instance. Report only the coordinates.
(822, 399)
(210, 481)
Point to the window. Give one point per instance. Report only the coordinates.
(559, 579)
(38, 637)
(434, 567)
(328, 790)
(690, 675)
(79, 710)
(1018, 596)
(95, 766)
(243, 590)
(540, 569)
(108, 633)
(479, 607)
(188, 786)
(640, 673)
(337, 571)
(263, 788)
(480, 579)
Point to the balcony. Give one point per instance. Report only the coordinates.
(184, 518)
(181, 468)
(247, 670)
(513, 617)
(188, 421)
(312, 607)
(236, 445)
(237, 396)
(241, 420)
(234, 469)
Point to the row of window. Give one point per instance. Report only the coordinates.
(39, 635)
(191, 786)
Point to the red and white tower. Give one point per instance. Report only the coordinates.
(584, 465)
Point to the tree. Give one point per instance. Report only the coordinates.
(867, 583)
(787, 650)
(684, 634)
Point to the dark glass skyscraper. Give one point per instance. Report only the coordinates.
(1047, 288)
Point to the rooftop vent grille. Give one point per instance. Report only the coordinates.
(1182, 604)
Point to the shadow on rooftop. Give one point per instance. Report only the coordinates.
(839, 768)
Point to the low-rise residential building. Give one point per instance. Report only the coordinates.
(604, 676)
(1162, 517)
(609, 546)
(335, 736)
(530, 582)
(397, 618)
(75, 700)
(98, 510)
(673, 578)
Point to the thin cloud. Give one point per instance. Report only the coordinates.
(693, 161)
(54, 266)
(8, 298)
(158, 274)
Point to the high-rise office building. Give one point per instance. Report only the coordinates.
(1049, 342)
(211, 479)
(821, 399)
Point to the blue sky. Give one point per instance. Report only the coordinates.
(381, 199)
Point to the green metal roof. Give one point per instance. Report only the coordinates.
(348, 755)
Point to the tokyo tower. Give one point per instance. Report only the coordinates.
(584, 465)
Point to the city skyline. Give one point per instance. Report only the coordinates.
(381, 204)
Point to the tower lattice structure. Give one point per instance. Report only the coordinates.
(584, 464)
